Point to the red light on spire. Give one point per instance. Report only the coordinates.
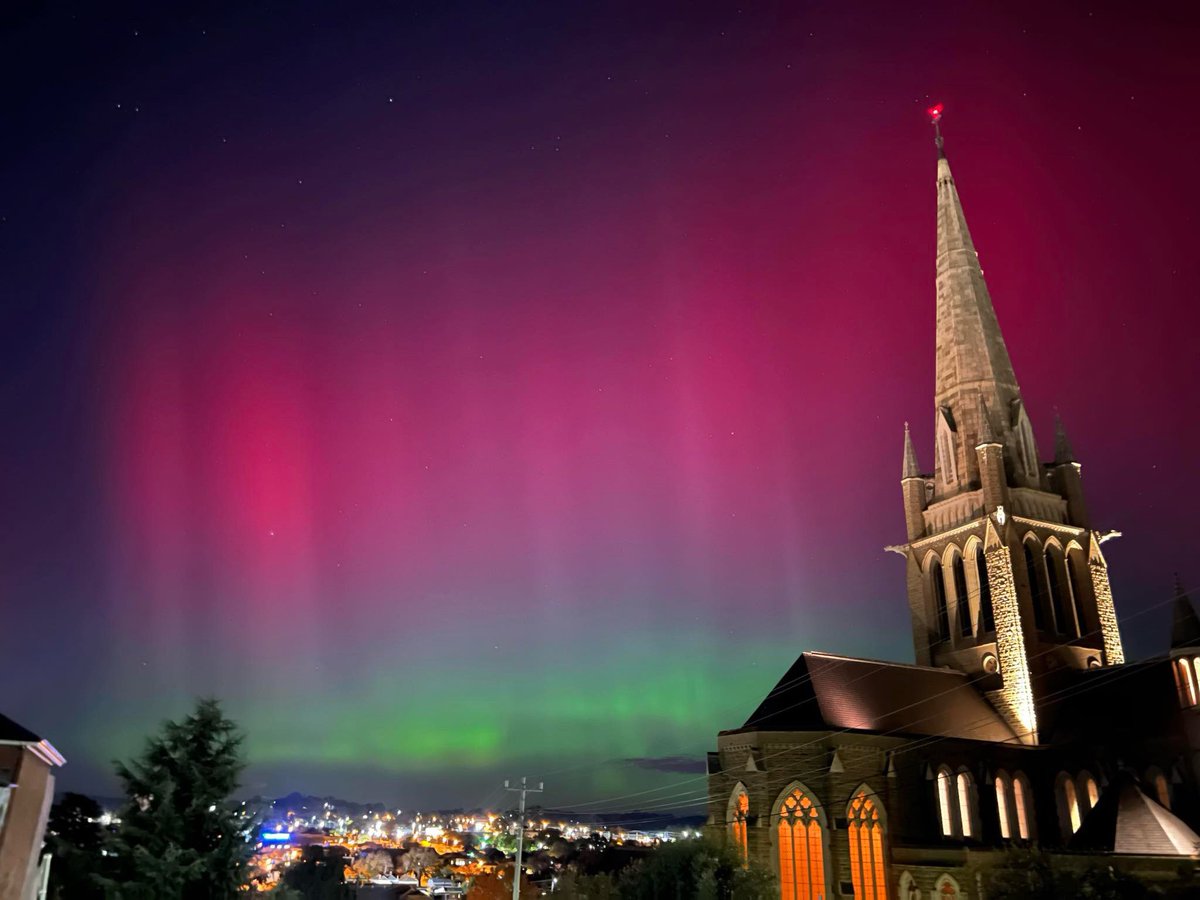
(935, 113)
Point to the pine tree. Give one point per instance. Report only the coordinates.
(179, 837)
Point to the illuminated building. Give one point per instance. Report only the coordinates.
(27, 764)
(1020, 721)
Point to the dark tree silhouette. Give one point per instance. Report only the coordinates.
(179, 836)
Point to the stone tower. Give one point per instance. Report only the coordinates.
(1006, 579)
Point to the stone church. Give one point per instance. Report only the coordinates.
(889, 781)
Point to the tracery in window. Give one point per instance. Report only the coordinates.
(866, 848)
(801, 849)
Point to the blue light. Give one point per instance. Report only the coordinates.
(276, 837)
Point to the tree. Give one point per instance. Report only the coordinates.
(319, 875)
(498, 886)
(74, 836)
(696, 870)
(1034, 875)
(419, 860)
(179, 838)
(372, 864)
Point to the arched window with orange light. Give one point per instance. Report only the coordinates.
(801, 847)
(1023, 805)
(1185, 681)
(1068, 805)
(867, 840)
(739, 810)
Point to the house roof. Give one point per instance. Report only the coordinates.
(1127, 820)
(12, 733)
(824, 692)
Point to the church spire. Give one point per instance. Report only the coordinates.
(1062, 446)
(911, 467)
(972, 360)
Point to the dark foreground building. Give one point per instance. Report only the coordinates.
(870, 779)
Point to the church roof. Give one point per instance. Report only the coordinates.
(1185, 627)
(1127, 820)
(824, 692)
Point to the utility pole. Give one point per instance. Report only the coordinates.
(523, 790)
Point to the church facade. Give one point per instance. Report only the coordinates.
(890, 781)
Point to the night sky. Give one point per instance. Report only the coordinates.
(469, 391)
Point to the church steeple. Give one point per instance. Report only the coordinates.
(1006, 579)
(973, 369)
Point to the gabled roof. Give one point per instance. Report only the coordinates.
(823, 692)
(12, 733)
(1127, 820)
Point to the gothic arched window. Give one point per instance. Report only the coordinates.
(1185, 680)
(945, 790)
(801, 849)
(987, 619)
(938, 586)
(1034, 569)
(1022, 800)
(866, 848)
(1068, 805)
(1003, 804)
(1054, 589)
(1088, 793)
(737, 825)
(962, 603)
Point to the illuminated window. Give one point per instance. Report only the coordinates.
(962, 603)
(1037, 589)
(947, 889)
(945, 802)
(801, 853)
(737, 825)
(966, 804)
(1068, 805)
(1003, 788)
(1088, 793)
(987, 621)
(956, 803)
(1185, 678)
(866, 848)
(1159, 788)
(938, 586)
(1022, 797)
